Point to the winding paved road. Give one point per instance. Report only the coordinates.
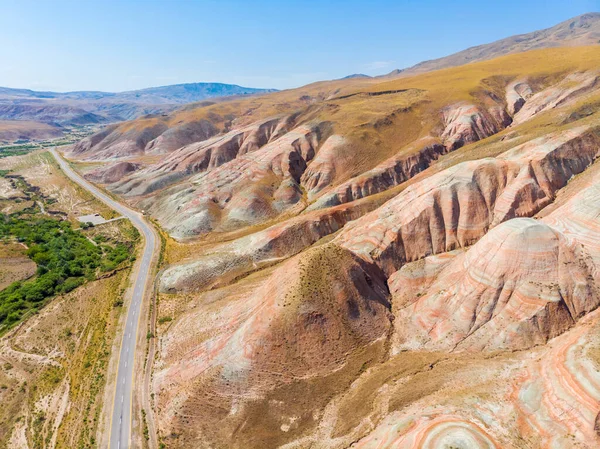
(120, 426)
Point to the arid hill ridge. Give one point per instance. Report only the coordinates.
(389, 263)
(578, 31)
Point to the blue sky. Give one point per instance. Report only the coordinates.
(121, 45)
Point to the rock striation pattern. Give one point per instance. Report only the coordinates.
(519, 286)
(456, 207)
(389, 173)
(201, 156)
(408, 263)
(246, 190)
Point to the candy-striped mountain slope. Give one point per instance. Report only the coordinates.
(377, 263)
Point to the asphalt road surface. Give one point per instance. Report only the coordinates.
(120, 426)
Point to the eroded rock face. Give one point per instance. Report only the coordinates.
(246, 190)
(112, 173)
(112, 143)
(548, 396)
(322, 169)
(180, 135)
(394, 171)
(456, 207)
(274, 244)
(146, 136)
(467, 123)
(573, 86)
(517, 93)
(520, 285)
(202, 156)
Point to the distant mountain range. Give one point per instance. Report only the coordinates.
(90, 107)
(173, 94)
(93, 107)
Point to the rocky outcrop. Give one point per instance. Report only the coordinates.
(246, 190)
(201, 156)
(517, 93)
(571, 87)
(467, 123)
(520, 285)
(112, 173)
(392, 172)
(322, 170)
(523, 283)
(547, 396)
(456, 207)
(577, 218)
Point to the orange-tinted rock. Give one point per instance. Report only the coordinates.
(246, 190)
(395, 170)
(321, 171)
(573, 86)
(520, 285)
(466, 123)
(457, 206)
(201, 156)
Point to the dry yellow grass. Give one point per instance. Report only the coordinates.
(379, 117)
(41, 170)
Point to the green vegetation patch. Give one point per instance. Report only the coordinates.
(65, 259)
(16, 150)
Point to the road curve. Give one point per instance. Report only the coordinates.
(120, 426)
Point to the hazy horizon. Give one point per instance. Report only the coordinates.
(60, 46)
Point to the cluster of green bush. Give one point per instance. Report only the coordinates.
(16, 150)
(65, 259)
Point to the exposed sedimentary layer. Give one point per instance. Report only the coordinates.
(455, 208)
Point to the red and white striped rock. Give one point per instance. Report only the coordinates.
(571, 87)
(322, 169)
(201, 156)
(393, 171)
(519, 286)
(467, 123)
(429, 432)
(517, 93)
(456, 207)
(246, 190)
